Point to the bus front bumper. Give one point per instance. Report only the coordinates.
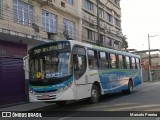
(61, 96)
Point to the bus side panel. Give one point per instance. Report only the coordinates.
(93, 77)
(137, 79)
(113, 81)
(117, 80)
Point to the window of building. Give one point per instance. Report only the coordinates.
(70, 2)
(109, 18)
(117, 2)
(92, 59)
(101, 13)
(88, 5)
(69, 27)
(22, 12)
(116, 44)
(102, 38)
(117, 22)
(90, 34)
(49, 21)
(109, 41)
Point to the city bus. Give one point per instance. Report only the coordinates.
(67, 70)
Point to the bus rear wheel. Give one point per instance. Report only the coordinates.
(130, 88)
(94, 94)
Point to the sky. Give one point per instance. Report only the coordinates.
(140, 18)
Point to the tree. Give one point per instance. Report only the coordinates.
(124, 42)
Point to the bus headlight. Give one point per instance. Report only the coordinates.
(32, 92)
(64, 88)
(60, 90)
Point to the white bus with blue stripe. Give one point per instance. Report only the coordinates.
(61, 71)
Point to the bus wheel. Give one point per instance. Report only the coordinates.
(94, 94)
(61, 103)
(130, 88)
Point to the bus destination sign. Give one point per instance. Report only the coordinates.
(49, 48)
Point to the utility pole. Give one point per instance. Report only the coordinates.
(98, 23)
(149, 58)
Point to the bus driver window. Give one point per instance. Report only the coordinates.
(79, 59)
(79, 66)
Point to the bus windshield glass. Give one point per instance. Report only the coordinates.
(50, 64)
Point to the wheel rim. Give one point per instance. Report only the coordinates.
(94, 94)
(130, 87)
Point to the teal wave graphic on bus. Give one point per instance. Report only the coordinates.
(51, 87)
(110, 79)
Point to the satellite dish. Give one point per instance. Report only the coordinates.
(35, 27)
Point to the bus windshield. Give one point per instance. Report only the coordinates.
(50, 66)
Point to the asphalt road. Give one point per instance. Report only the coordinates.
(145, 100)
(145, 97)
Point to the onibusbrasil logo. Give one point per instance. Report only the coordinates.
(19, 114)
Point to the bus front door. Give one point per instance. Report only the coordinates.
(79, 62)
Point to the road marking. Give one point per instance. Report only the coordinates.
(154, 109)
(132, 107)
(69, 116)
(134, 94)
(101, 105)
(107, 106)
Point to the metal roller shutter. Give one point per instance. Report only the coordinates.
(12, 81)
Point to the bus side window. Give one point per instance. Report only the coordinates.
(124, 62)
(92, 59)
(103, 63)
(113, 61)
(128, 62)
(79, 60)
(117, 62)
(108, 57)
(120, 62)
(133, 63)
(137, 63)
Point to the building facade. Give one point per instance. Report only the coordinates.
(155, 64)
(26, 23)
(33, 22)
(101, 22)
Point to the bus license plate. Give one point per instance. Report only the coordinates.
(45, 96)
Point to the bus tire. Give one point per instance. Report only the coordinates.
(130, 88)
(61, 103)
(94, 94)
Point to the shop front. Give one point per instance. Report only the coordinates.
(12, 79)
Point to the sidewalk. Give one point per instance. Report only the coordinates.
(26, 106)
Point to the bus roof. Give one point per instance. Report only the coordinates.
(73, 42)
(104, 49)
